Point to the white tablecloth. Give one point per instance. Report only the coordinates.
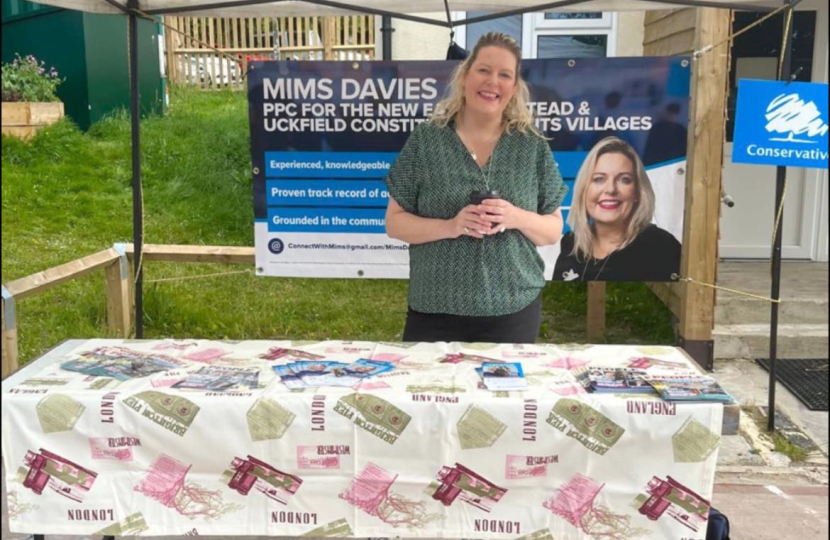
(421, 451)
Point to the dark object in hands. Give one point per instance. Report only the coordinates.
(477, 197)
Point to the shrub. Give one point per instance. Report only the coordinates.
(26, 79)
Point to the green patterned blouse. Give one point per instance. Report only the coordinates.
(433, 177)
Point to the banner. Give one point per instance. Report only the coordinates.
(324, 134)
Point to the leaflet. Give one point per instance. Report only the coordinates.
(306, 374)
(691, 388)
(503, 376)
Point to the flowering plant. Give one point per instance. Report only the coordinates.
(26, 79)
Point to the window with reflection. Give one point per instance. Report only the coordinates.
(591, 46)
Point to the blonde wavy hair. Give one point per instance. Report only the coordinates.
(641, 216)
(516, 115)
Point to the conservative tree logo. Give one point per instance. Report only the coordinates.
(781, 123)
(789, 114)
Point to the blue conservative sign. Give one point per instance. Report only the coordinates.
(777, 123)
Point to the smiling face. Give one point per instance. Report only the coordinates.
(612, 191)
(491, 81)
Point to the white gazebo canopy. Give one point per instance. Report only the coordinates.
(699, 264)
(396, 8)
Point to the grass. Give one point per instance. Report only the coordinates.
(780, 443)
(784, 446)
(67, 194)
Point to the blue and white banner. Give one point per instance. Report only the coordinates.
(324, 134)
(779, 123)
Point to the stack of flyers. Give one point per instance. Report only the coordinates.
(323, 373)
(220, 379)
(618, 381)
(689, 388)
(582, 376)
(502, 376)
(121, 363)
(312, 374)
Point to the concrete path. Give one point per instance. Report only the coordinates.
(774, 512)
(748, 383)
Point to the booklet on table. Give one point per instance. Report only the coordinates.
(618, 381)
(689, 388)
(305, 374)
(499, 376)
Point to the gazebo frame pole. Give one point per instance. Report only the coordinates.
(778, 223)
(138, 212)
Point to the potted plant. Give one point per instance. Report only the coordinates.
(29, 98)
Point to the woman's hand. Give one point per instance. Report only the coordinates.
(469, 222)
(500, 215)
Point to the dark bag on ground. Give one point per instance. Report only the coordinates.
(718, 528)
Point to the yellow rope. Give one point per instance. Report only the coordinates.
(780, 211)
(710, 48)
(778, 215)
(200, 276)
(733, 291)
(145, 16)
(141, 256)
(784, 43)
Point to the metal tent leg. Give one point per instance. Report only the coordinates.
(138, 217)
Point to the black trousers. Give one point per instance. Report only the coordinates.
(520, 327)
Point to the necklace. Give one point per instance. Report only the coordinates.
(490, 163)
(596, 277)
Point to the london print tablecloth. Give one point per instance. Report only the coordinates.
(167, 437)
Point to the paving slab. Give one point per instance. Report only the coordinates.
(736, 450)
(774, 512)
(800, 280)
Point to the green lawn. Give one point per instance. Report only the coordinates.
(67, 194)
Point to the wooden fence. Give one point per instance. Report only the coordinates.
(116, 264)
(190, 61)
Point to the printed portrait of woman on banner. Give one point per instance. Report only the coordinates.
(613, 236)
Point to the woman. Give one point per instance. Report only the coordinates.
(612, 237)
(475, 273)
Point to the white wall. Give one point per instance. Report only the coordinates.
(630, 33)
(417, 41)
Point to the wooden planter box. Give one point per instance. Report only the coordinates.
(23, 119)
